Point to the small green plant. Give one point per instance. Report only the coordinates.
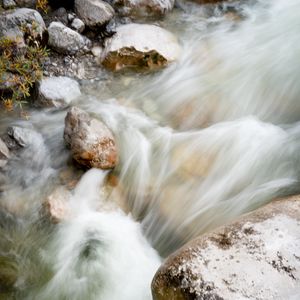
(20, 68)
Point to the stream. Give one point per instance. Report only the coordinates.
(208, 138)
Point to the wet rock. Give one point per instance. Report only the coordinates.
(78, 25)
(140, 46)
(56, 92)
(143, 8)
(18, 137)
(256, 257)
(56, 207)
(13, 23)
(92, 144)
(9, 4)
(4, 154)
(65, 40)
(94, 13)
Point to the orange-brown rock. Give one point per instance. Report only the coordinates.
(92, 144)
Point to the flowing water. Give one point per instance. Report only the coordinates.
(210, 137)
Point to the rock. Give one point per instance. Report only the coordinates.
(4, 154)
(92, 144)
(78, 25)
(143, 8)
(140, 46)
(9, 4)
(13, 23)
(56, 92)
(94, 13)
(65, 40)
(256, 257)
(56, 207)
(18, 137)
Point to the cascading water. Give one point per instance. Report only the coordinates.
(207, 139)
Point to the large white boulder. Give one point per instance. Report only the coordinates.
(256, 257)
(140, 46)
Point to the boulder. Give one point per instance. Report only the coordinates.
(56, 92)
(65, 40)
(255, 257)
(143, 8)
(14, 24)
(94, 13)
(4, 154)
(140, 46)
(92, 144)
